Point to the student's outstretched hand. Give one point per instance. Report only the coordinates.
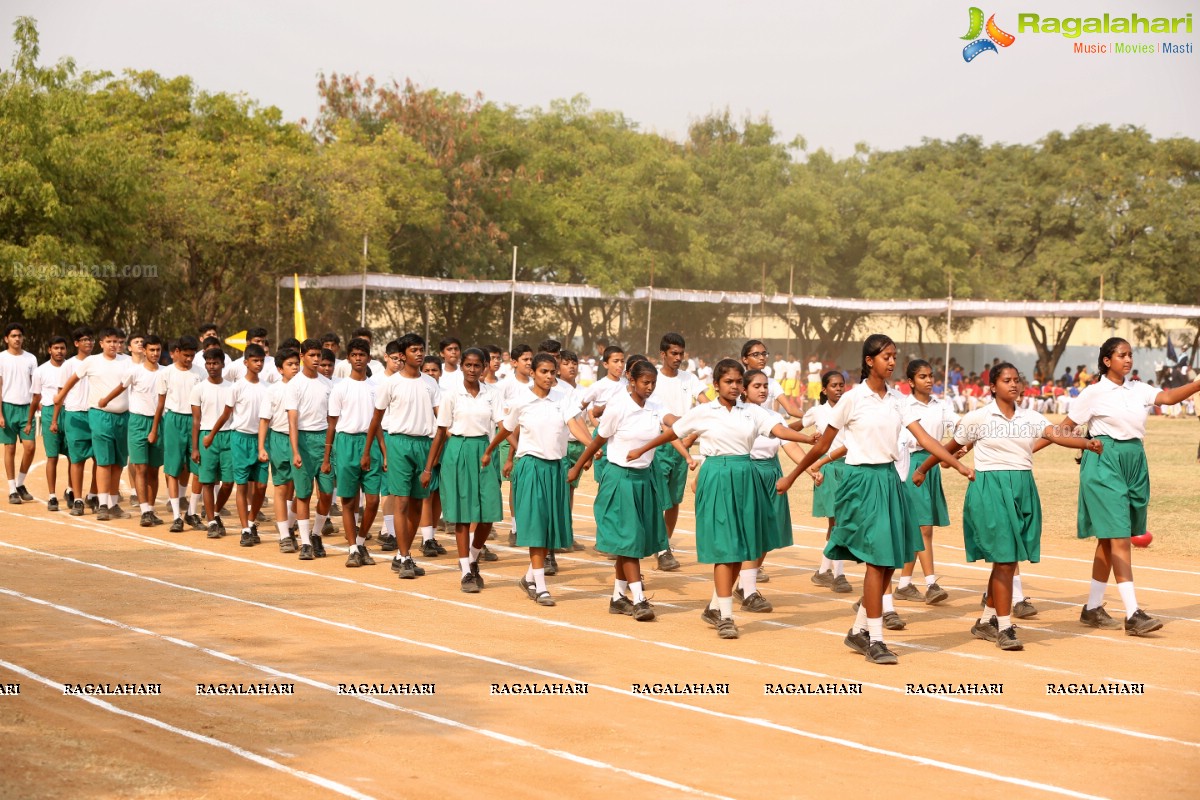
(297, 461)
(326, 467)
(918, 477)
(634, 455)
(817, 476)
(1096, 446)
(196, 456)
(262, 454)
(485, 460)
(208, 440)
(426, 478)
(364, 463)
(966, 472)
(693, 464)
(573, 473)
(783, 484)
(506, 471)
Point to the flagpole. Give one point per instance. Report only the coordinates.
(512, 302)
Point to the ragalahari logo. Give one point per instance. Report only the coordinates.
(995, 36)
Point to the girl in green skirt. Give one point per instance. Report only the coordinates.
(470, 492)
(543, 510)
(1002, 513)
(926, 499)
(629, 502)
(731, 513)
(825, 474)
(874, 524)
(1114, 486)
(764, 457)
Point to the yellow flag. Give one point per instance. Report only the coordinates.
(298, 314)
(237, 340)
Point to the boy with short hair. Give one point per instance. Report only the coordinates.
(47, 380)
(412, 399)
(327, 364)
(16, 395)
(431, 506)
(108, 422)
(275, 446)
(249, 468)
(235, 369)
(393, 363)
(450, 349)
(144, 445)
(71, 417)
(173, 425)
(307, 404)
(210, 400)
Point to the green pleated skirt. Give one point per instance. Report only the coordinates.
(543, 503)
(628, 511)
(1002, 517)
(825, 495)
(778, 532)
(731, 513)
(1114, 490)
(873, 524)
(926, 502)
(470, 493)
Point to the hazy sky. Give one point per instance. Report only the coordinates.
(884, 73)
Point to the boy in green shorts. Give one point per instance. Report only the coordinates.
(71, 418)
(145, 456)
(249, 470)
(47, 380)
(173, 427)
(275, 446)
(307, 404)
(16, 396)
(210, 437)
(431, 506)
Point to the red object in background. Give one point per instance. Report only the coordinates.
(1142, 541)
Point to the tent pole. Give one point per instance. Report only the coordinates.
(512, 302)
(362, 312)
(277, 312)
(649, 308)
(787, 350)
(949, 319)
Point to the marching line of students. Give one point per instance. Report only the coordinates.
(419, 435)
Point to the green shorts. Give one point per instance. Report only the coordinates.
(279, 448)
(110, 437)
(243, 455)
(15, 418)
(312, 452)
(175, 431)
(54, 443)
(215, 462)
(406, 462)
(674, 471)
(140, 450)
(574, 451)
(79, 435)
(347, 465)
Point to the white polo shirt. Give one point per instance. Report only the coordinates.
(103, 375)
(17, 374)
(273, 407)
(872, 424)
(725, 432)
(767, 447)
(679, 393)
(1117, 411)
(818, 417)
(626, 426)
(1001, 443)
(410, 404)
(937, 417)
(450, 380)
(463, 415)
(177, 385)
(142, 387)
(77, 398)
(48, 379)
(247, 399)
(212, 398)
(602, 391)
(269, 374)
(309, 398)
(513, 391)
(542, 422)
(353, 403)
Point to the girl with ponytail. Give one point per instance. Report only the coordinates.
(825, 474)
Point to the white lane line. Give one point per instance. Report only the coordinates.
(317, 780)
(1045, 716)
(848, 743)
(375, 701)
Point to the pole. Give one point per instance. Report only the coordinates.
(512, 302)
(1101, 302)
(362, 313)
(649, 308)
(762, 304)
(949, 319)
(791, 279)
(277, 312)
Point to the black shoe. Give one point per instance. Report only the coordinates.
(417, 568)
(475, 573)
(1141, 624)
(101, 511)
(643, 612)
(116, 512)
(247, 539)
(254, 533)
(878, 653)
(407, 568)
(1007, 639)
(195, 521)
(327, 529)
(935, 594)
(147, 520)
(287, 544)
(487, 555)
(354, 559)
(892, 621)
(727, 628)
(157, 520)
(620, 606)
(69, 496)
(468, 584)
(1024, 610)
(1098, 618)
(387, 544)
(176, 525)
(261, 517)
(527, 587)
(77, 508)
(14, 498)
(544, 599)
(318, 545)
(306, 552)
(988, 631)
(858, 642)
(512, 540)
(365, 556)
(492, 535)
(93, 503)
(757, 604)
(214, 531)
(441, 551)
(711, 615)
(220, 524)
(667, 561)
(429, 548)
(25, 495)
(551, 565)
(52, 504)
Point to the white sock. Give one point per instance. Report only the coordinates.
(12, 487)
(749, 581)
(426, 533)
(860, 621)
(930, 580)
(619, 589)
(725, 604)
(539, 580)
(986, 616)
(146, 507)
(529, 574)
(1004, 622)
(875, 629)
(713, 602)
(1096, 594)
(465, 565)
(1018, 595)
(359, 541)
(305, 531)
(826, 564)
(52, 496)
(389, 525)
(21, 478)
(319, 523)
(109, 500)
(1128, 597)
(838, 567)
(283, 529)
(475, 551)
(905, 580)
(638, 594)
(888, 604)
(193, 503)
(91, 496)
(246, 530)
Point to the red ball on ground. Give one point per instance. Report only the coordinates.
(1142, 541)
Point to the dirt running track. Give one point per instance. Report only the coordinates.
(83, 601)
